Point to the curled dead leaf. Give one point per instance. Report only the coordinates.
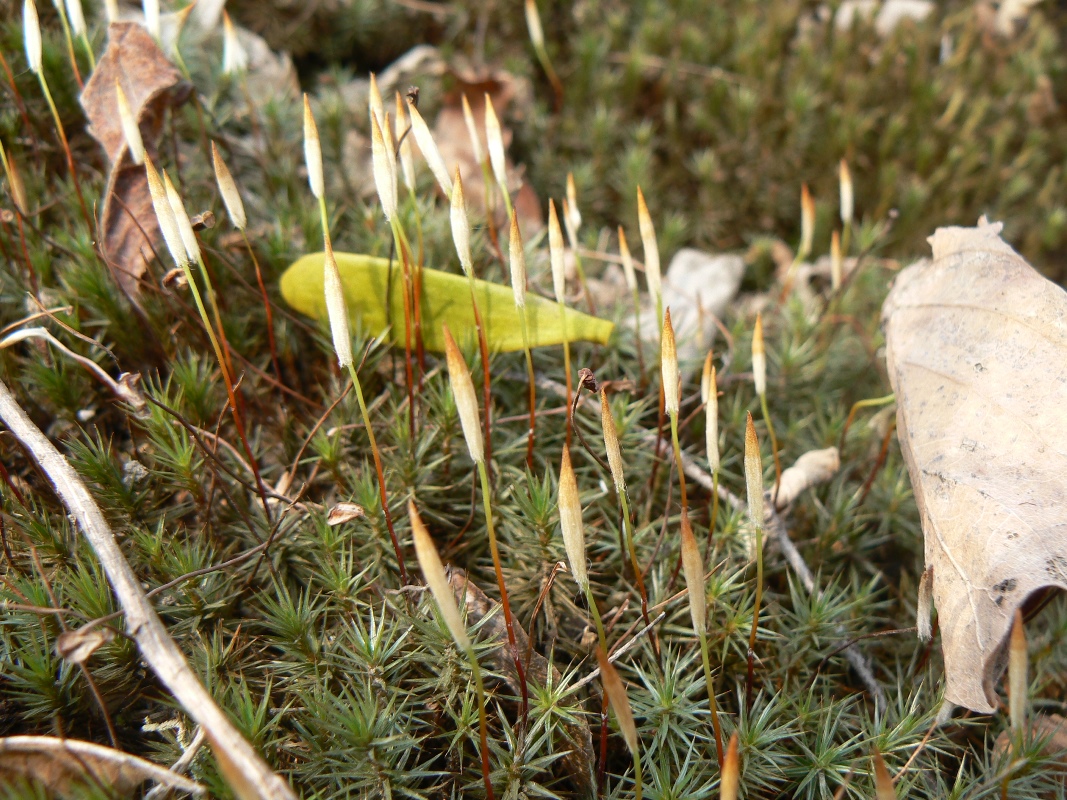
(62, 765)
(129, 231)
(976, 348)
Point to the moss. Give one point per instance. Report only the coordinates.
(350, 686)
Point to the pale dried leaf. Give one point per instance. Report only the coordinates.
(976, 347)
(62, 765)
(811, 469)
(77, 646)
(345, 512)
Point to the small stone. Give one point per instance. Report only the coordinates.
(698, 287)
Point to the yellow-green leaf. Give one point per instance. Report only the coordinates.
(445, 299)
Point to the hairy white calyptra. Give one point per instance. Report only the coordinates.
(76, 16)
(31, 35)
(611, 443)
(807, 222)
(555, 254)
(709, 393)
(847, 200)
(753, 474)
(836, 261)
(570, 521)
(472, 131)
(181, 216)
(648, 239)
(130, 129)
(434, 573)
(759, 358)
(461, 229)
(336, 308)
(424, 139)
(517, 262)
(568, 223)
(234, 55)
(375, 105)
(152, 19)
(313, 152)
(620, 703)
(384, 167)
(571, 213)
(669, 367)
(235, 206)
(627, 261)
(168, 225)
(694, 576)
(407, 158)
(111, 10)
(459, 377)
(494, 139)
(533, 24)
(731, 771)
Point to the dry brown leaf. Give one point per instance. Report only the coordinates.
(128, 227)
(976, 346)
(76, 646)
(579, 760)
(61, 765)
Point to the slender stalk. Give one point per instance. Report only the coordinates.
(595, 612)
(66, 149)
(437, 581)
(537, 38)
(375, 452)
(266, 306)
(678, 461)
(517, 270)
(404, 254)
(714, 515)
(84, 39)
(483, 726)
(567, 365)
(532, 392)
(754, 487)
(774, 444)
(483, 352)
(69, 40)
(712, 705)
(629, 528)
(379, 471)
(505, 601)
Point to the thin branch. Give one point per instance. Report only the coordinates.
(233, 751)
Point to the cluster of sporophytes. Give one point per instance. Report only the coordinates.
(729, 675)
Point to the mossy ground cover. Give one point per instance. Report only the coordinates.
(350, 685)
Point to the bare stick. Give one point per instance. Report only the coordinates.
(234, 752)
